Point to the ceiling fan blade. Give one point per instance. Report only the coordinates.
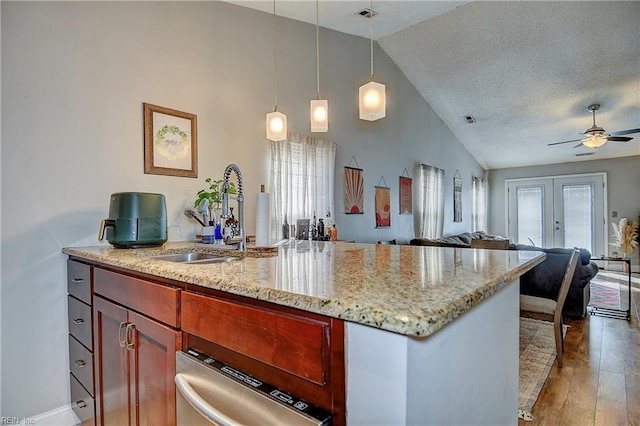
(579, 145)
(619, 139)
(558, 143)
(625, 132)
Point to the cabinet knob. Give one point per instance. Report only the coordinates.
(81, 404)
(79, 363)
(78, 321)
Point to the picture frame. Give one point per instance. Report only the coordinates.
(457, 199)
(170, 142)
(353, 190)
(383, 206)
(302, 229)
(406, 195)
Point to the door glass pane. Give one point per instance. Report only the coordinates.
(578, 224)
(530, 216)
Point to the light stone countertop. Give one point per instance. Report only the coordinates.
(405, 289)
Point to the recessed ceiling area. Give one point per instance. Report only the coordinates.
(526, 71)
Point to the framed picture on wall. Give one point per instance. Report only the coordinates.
(457, 199)
(170, 142)
(353, 191)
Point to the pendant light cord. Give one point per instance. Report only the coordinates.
(317, 52)
(371, 35)
(275, 56)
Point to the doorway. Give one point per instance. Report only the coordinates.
(558, 211)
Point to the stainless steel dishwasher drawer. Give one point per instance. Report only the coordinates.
(209, 391)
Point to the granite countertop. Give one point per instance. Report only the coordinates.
(403, 289)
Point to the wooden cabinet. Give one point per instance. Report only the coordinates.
(127, 329)
(134, 354)
(81, 373)
(298, 352)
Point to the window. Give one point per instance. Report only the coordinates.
(479, 207)
(302, 180)
(430, 204)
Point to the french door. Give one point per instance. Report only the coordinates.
(561, 211)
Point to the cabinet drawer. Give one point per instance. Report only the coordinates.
(297, 345)
(81, 364)
(79, 280)
(80, 321)
(157, 301)
(82, 403)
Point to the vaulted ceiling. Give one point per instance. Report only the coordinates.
(526, 71)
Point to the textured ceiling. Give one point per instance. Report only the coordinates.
(525, 70)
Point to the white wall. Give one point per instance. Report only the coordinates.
(74, 77)
(623, 196)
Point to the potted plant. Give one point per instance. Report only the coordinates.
(209, 199)
(625, 234)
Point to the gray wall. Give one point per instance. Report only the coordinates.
(623, 189)
(74, 77)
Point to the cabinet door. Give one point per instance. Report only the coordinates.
(153, 361)
(112, 364)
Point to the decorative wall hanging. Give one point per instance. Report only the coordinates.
(383, 205)
(457, 197)
(406, 193)
(170, 142)
(353, 189)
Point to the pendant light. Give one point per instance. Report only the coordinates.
(276, 121)
(319, 108)
(372, 100)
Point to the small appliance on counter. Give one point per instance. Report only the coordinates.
(136, 219)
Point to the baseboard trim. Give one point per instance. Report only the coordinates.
(61, 416)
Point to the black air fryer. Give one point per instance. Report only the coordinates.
(136, 219)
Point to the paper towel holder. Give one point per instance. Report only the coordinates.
(263, 228)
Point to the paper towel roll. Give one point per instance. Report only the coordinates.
(262, 220)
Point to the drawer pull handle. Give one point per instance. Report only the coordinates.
(81, 404)
(78, 280)
(79, 363)
(78, 321)
(121, 336)
(131, 328)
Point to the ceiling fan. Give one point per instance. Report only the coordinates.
(596, 135)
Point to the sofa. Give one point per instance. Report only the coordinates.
(544, 279)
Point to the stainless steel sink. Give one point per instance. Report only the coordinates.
(195, 257)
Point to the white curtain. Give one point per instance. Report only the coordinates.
(430, 202)
(479, 201)
(302, 180)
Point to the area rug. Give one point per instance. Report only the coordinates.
(537, 354)
(604, 294)
(609, 289)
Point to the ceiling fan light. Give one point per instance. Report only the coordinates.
(372, 101)
(276, 126)
(594, 141)
(319, 112)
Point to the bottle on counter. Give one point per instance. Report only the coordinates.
(320, 229)
(334, 233)
(285, 228)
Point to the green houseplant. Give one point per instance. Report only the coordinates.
(213, 197)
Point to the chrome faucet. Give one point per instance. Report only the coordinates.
(242, 245)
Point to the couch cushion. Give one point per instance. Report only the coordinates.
(490, 244)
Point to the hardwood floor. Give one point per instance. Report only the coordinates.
(600, 381)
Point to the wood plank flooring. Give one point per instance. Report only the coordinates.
(600, 381)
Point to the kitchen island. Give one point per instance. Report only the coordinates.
(430, 334)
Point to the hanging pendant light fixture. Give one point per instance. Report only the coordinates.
(372, 100)
(276, 121)
(319, 108)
